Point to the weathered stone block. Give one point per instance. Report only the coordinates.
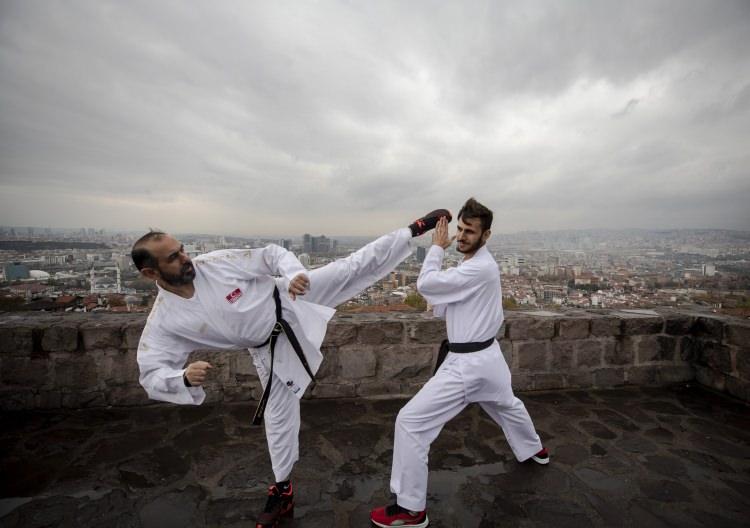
(522, 381)
(738, 388)
(623, 352)
(549, 381)
(708, 327)
(381, 332)
(675, 373)
(340, 334)
(710, 378)
(573, 328)
(81, 400)
(605, 326)
(16, 340)
(715, 356)
(530, 327)
(116, 367)
(100, 335)
(17, 400)
(132, 333)
(656, 348)
(49, 400)
(75, 373)
(60, 338)
(589, 353)
(742, 362)
(357, 363)
(532, 355)
(24, 372)
(507, 349)
(642, 325)
(501, 334)
(427, 331)
(380, 389)
(334, 390)
(689, 350)
(330, 369)
(406, 361)
(609, 377)
(561, 354)
(642, 375)
(126, 395)
(738, 334)
(242, 363)
(580, 379)
(678, 324)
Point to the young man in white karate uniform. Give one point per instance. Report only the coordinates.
(472, 370)
(232, 298)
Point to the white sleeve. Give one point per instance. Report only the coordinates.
(449, 286)
(270, 260)
(161, 360)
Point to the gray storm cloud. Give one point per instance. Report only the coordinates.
(355, 117)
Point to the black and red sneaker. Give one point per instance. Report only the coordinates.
(395, 515)
(280, 504)
(542, 457)
(428, 221)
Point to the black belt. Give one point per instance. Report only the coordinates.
(280, 326)
(459, 348)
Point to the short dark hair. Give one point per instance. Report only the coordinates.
(473, 209)
(142, 257)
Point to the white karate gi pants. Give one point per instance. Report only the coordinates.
(330, 285)
(481, 377)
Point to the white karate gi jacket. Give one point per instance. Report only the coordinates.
(232, 307)
(467, 296)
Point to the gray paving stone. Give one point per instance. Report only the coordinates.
(628, 457)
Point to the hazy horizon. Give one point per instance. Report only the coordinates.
(354, 118)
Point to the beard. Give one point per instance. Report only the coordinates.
(469, 249)
(183, 278)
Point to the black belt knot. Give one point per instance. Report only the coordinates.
(281, 327)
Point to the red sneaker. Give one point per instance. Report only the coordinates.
(395, 515)
(279, 504)
(542, 457)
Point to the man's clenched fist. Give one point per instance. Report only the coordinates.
(195, 373)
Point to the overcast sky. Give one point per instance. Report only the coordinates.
(356, 117)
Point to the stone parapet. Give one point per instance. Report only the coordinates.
(89, 360)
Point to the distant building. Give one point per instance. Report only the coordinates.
(421, 254)
(317, 245)
(709, 270)
(16, 271)
(307, 243)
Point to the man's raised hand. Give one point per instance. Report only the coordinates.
(440, 236)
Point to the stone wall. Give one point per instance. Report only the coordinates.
(89, 360)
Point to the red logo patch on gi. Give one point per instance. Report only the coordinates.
(232, 297)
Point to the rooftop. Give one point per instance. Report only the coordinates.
(669, 456)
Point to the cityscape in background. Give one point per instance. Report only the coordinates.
(89, 269)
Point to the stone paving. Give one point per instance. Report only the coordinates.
(676, 456)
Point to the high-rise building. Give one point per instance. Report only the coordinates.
(16, 271)
(421, 254)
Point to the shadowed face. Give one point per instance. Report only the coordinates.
(174, 267)
(469, 235)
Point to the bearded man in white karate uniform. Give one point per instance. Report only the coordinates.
(248, 298)
(472, 370)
